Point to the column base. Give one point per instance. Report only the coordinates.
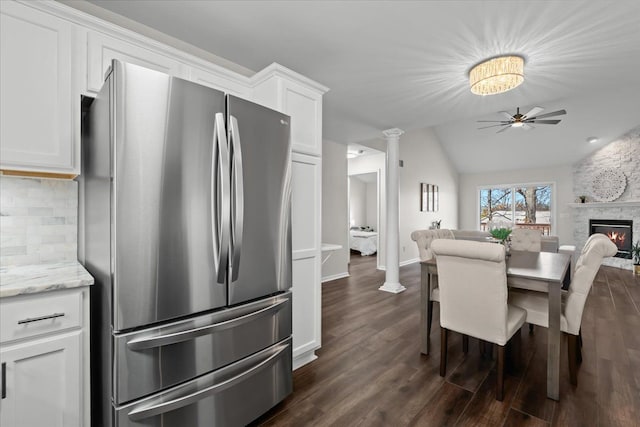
(394, 288)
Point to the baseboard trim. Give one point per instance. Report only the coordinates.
(303, 359)
(335, 277)
(402, 264)
(409, 261)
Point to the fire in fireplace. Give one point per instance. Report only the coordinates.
(620, 231)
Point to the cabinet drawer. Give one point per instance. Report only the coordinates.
(32, 315)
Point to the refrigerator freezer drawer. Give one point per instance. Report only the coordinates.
(154, 359)
(232, 396)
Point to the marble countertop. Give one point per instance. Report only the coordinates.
(30, 279)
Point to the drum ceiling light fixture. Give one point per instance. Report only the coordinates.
(497, 75)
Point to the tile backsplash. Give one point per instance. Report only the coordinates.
(38, 220)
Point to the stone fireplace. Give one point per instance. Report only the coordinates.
(622, 154)
(620, 231)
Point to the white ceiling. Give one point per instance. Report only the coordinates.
(405, 63)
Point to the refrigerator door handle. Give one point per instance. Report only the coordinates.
(143, 343)
(164, 406)
(220, 198)
(238, 199)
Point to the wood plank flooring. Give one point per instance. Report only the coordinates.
(370, 372)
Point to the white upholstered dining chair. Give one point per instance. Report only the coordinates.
(536, 304)
(473, 297)
(526, 239)
(423, 239)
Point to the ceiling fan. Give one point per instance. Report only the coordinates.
(524, 121)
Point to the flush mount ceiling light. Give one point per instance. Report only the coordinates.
(592, 140)
(497, 75)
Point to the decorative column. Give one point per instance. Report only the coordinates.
(392, 278)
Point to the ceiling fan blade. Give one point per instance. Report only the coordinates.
(507, 115)
(544, 122)
(554, 113)
(527, 127)
(493, 121)
(492, 126)
(533, 112)
(502, 130)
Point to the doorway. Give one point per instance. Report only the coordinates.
(364, 217)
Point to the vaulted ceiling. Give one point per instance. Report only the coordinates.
(405, 64)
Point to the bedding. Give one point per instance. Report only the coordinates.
(364, 241)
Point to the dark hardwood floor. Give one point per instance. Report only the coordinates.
(370, 372)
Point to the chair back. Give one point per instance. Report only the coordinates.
(526, 239)
(473, 288)
(598, 246)
(423, 239)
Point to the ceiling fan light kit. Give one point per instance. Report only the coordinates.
(497, 75)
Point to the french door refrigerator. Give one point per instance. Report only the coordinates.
(186, 213)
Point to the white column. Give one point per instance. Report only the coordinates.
(392, 278)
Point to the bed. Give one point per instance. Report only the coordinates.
(364, 241)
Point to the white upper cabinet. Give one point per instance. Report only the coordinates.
(37, 110)
(101, 49)
(301, 98)
(221, 81)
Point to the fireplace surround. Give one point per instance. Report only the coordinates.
(620, 231)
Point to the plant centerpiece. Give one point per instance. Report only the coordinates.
(635, 252)
(501, 234)
(500, 230)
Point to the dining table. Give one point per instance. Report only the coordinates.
(551, 270)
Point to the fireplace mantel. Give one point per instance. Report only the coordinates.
(630, 204)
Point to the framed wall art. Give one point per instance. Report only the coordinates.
(428, 197)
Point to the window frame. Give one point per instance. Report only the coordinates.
(512, 187)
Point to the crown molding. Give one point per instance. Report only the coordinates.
(97, 24)
(277, 70)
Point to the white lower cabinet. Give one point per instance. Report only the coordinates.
(42, 382)
(44, 359)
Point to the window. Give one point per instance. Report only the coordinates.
(527, 206)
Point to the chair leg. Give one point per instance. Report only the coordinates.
(465, 344)
(516, 354)
(580, 336)
(530, 328)
(443, 351)
(429, 318)
(572, 347)
(500, 382)
(579, 350)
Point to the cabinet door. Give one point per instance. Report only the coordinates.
(101, 49)
(219, 81)
(36, 103)
(305, 230)
(43, 382)
(305, 108)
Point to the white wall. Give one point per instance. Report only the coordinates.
(560, 176)
(424, 161)
(357, 202)
(335, 208)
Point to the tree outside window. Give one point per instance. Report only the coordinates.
(526, 206)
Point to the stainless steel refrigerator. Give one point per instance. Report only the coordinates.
(186, 213)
